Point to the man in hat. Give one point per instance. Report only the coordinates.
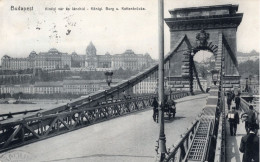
(233, 119)
(250, 146)
(250, 118)
(232, 95)
(155, 109)
(229, 100)
(237, 101)
(171, 107)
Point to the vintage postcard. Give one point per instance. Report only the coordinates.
(128, 80)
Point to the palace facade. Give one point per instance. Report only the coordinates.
(54, 59)
(125, 60)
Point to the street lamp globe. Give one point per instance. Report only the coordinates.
(192, 52)
(109, 75)
(165, 82)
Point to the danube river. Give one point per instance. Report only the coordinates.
(40, 104)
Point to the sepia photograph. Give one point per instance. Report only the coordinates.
(129, 80)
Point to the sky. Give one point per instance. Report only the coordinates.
(110, 31)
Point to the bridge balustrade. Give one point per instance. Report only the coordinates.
(178, 151)
(20, 131)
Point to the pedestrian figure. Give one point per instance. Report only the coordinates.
(237, 101)
(155, 109)
(166, 104)
(169, 102)
(250, 120)
(233, 119)
(232, 95)
(250, 146)
(171, 107)
(229, 100)
(124, 96)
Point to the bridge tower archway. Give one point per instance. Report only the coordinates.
(211, 28)
(204, 61)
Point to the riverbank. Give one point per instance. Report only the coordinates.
(45, 105)
(33, 101)
(15, 102)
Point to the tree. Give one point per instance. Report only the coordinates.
(203, 72)
(249, 68)
(202, 69)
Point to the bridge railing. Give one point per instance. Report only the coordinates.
(178, 151)
(245, 107)
(177, 95)
(19, 131)
(16, 132)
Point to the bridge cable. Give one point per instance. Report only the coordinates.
(196, 75)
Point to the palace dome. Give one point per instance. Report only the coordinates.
(6, 57)
(129, 51)
(91, 50)
(32, 54)
(53, 50)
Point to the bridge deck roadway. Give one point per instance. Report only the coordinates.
(128, 138)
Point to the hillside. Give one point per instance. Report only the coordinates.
(252, 53)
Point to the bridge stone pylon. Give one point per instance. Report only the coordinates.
(211, 28)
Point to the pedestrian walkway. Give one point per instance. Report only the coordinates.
(233, 142)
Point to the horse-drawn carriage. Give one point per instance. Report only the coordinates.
(169, 110)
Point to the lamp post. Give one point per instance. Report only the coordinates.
(109, 75)
(162, 138)
(191, 72)
(246, 89)
(215, 73)
(249, 83)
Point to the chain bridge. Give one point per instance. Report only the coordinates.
(110, 118)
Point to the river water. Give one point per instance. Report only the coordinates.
(43, 104)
